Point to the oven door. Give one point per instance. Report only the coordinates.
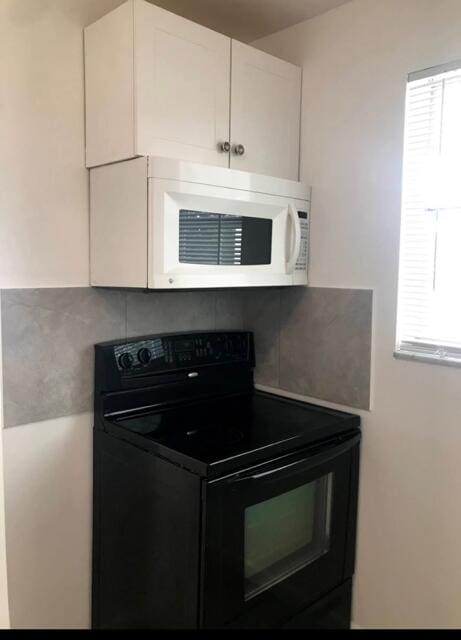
(211, 236)
(278, 536)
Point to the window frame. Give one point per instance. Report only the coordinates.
(420, 350)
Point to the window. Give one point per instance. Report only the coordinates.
(429, 309)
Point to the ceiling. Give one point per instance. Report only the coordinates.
(248, 20)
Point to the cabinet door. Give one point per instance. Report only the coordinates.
(265, 113)
(182, 89)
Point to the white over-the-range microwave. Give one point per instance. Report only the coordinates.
(158, 223)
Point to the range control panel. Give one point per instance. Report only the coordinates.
(157, 353)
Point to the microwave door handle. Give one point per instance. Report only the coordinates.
(293, 214)
(309, 462)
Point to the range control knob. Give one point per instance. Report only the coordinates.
(126, 361)
(144, 355)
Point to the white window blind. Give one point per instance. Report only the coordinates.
(210, 238)
(429, 309)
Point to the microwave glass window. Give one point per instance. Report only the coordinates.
(219, 239)
(285, 534)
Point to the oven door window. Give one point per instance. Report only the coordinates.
(222, 239)
(285, 534)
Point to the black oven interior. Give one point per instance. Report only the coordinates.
(216, 505)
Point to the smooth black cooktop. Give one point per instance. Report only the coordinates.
(215, 437)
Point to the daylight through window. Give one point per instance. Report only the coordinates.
(429, 310)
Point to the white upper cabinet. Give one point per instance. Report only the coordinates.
(156, 84)
(160, 85)
(265, 113)
(182, 87)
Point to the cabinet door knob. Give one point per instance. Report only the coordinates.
(238, 149)
(224, 147)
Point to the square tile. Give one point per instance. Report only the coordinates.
(325, 344)
(48, 357)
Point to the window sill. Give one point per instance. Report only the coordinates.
(427, 359)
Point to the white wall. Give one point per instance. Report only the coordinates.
(43, 180)
(48, 517)
(4, 609)
(44, 242)
(355, 61)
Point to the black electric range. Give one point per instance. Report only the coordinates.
(241, 505)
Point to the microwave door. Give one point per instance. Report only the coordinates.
(205, 236)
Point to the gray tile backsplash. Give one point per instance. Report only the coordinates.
(229, 310)
(167, 312)
(262, 315)
(48, 337)
(325, 344)
(314, 342)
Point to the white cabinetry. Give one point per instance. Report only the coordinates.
(155, 84)
(265, 113)
(158, 84)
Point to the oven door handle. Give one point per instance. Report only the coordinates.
(310, 461)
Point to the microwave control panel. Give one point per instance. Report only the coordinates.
(301, 263)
